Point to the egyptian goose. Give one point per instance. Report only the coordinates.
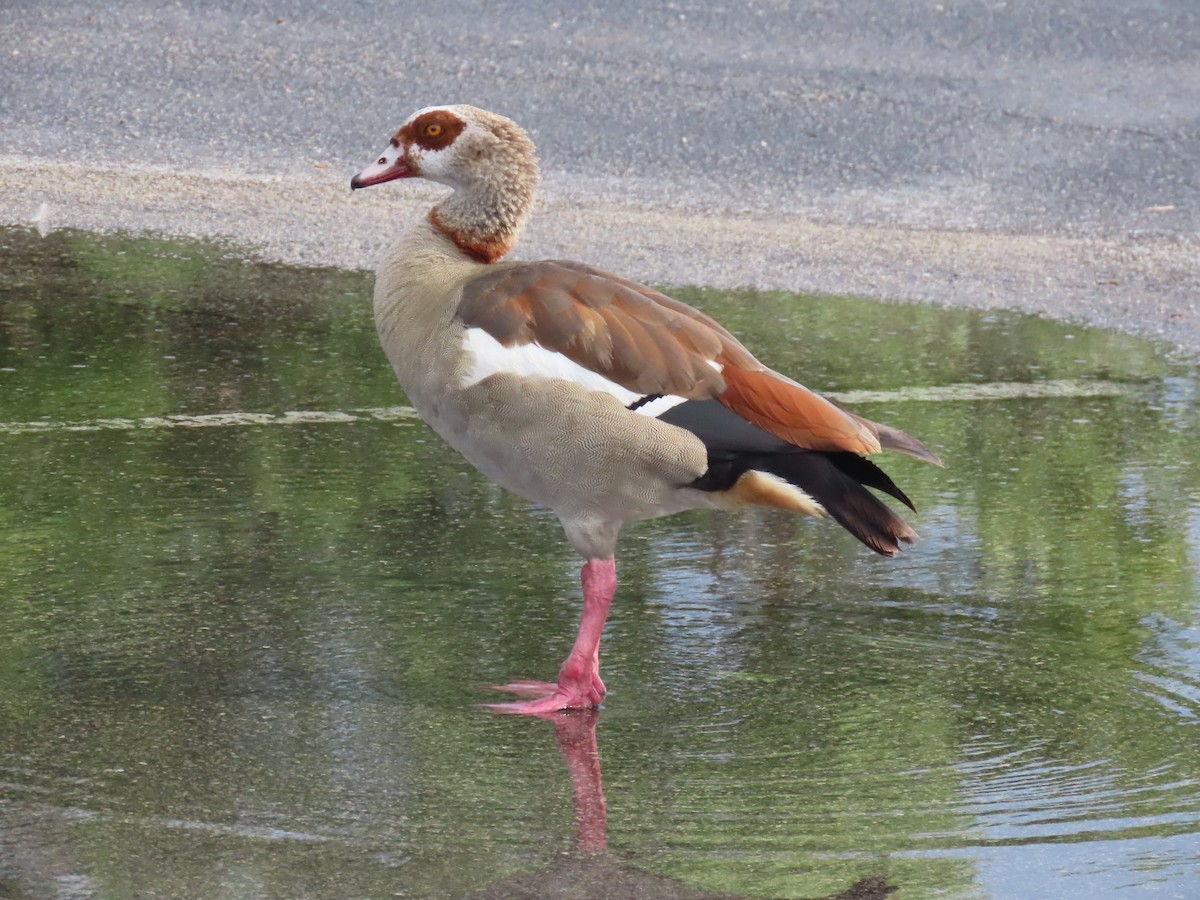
(600, 398)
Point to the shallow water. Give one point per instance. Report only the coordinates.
(240, 654)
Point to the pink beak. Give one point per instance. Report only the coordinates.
(387, 168)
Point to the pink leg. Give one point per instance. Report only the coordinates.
(579, 685)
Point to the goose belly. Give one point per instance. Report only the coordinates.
(579, 452)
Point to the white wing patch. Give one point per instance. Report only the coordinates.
(489, 357)
(659, 405)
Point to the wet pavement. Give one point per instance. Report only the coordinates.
(249, 606)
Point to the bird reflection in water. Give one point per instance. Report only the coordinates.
(590, 872)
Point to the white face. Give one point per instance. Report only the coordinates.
(438, 143)
(434, 155)
(428, 145)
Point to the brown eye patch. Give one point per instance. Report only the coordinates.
(434, 130)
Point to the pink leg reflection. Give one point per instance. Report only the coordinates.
(576, 734)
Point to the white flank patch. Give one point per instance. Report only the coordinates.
(490, 357)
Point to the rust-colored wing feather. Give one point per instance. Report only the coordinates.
(652, 344)
(793, 412)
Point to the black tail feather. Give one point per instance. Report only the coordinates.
(838, 485)
(866, 472)
(839, 481)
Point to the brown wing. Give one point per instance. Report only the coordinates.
(602, 322)
(650, 343)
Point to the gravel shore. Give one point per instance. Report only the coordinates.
(1146, 285)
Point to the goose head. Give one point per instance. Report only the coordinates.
(488, 159)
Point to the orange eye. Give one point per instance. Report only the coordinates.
(433, 130)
